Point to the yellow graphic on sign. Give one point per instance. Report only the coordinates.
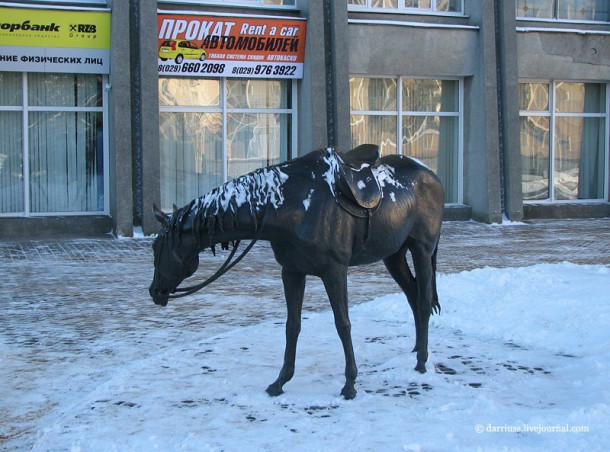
(54, 28)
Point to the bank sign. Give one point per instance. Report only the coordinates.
(53, 40)
(230, 46)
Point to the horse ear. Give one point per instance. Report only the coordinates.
(160, 215)
(175, 207)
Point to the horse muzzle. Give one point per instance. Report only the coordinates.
(159, 296)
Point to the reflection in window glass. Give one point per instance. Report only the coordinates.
(576, 10)
(11, 144)
(373, 94)
(255, 141)
(257, 93)
(407, 6)
(64, 90)
(534, 96)
(418, 4)
(191, 155)
(189, 91)
(449, 5)
(583, 9)
(535, 150)
(11, 162)
(10, 89)
(66, 167)
(540, 9)
(580, 98)
(378, 129)
(384, 3)
(430, 95)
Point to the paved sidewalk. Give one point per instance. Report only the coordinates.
(463, 246)
(97, 269)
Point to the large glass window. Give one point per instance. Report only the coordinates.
(257, 3)
(213, 130)
(51, 144)
(564, 147)
(572, 10)
(416, 117)
(413, 6)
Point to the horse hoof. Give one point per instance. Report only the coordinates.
(274, 390)
(348, 393)
(421, 368)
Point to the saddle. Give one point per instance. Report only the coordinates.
(356, 181)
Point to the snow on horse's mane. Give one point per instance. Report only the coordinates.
(258, 189)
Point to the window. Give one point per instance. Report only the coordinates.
(213, 130)
(571, 10)
(409, 6)
(70, 2)
(564, 147)
(258, 3)
(51, 144)
(416, 117)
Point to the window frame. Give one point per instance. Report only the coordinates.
(25, 109)
(400, 114)
(235, 3)
(552, 114)
(556, 19)
(402, 9)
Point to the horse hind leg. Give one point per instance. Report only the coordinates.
(425, 271)
(401, 273)
(420, 291)
(436, 307)
(335, 283)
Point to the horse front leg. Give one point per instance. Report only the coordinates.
(335, 283)
(294, 290)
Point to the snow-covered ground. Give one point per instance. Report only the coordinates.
(519, 360)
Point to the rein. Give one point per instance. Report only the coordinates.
(228, 265)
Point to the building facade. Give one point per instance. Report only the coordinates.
(107, 107)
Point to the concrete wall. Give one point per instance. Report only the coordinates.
(148, 116)
(563, 56)
(120, 123)
(312, 112)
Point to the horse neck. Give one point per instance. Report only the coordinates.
(236, 210)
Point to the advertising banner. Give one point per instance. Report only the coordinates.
(230, 46)
(54, 40)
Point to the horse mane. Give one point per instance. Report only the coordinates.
(218, 208)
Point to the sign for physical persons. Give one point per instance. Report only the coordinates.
(49, 40)
(231, 46)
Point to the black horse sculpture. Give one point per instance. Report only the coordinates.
(322, 213)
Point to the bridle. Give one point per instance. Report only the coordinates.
(228, 265)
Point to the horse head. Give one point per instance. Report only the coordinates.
(176, 254)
